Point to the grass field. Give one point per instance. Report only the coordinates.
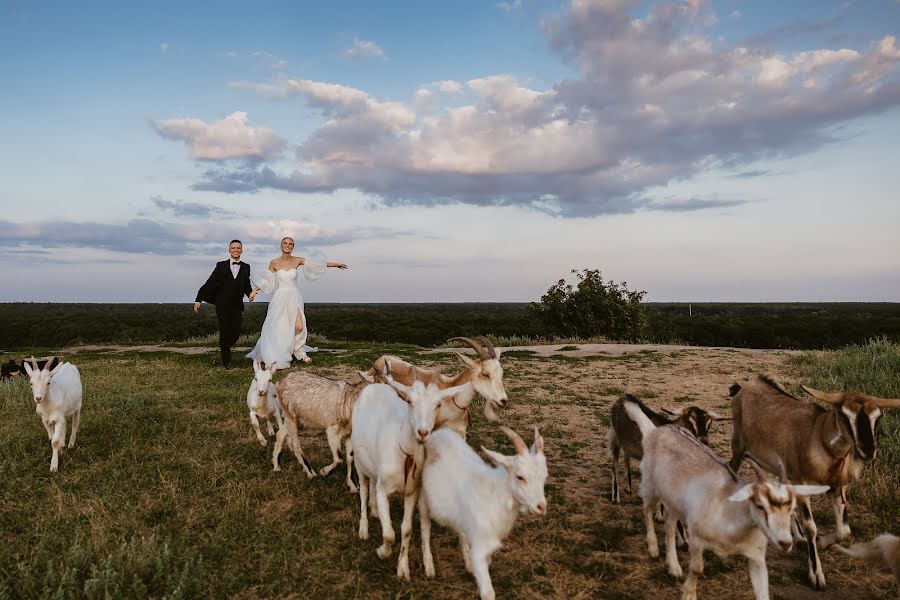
(168, 495)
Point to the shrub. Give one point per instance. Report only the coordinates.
(593, 307)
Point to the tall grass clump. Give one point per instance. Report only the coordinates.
(872, 368)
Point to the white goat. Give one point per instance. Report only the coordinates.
(262, 402)
(484, 373)
(390, 423)
(318, 403)
(57, 396)
(477, 501)
(722, 514)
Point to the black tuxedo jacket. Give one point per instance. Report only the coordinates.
(223, 289)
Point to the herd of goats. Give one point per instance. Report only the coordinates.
(404, 427)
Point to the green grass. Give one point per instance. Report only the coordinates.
(874, 369)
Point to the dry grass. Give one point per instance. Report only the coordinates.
(168, 495)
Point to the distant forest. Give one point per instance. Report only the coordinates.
(783, 325)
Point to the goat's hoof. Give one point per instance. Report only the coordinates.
(323, 471)
(276, 468)
(653, 552)
(353, 489)
(364, 533)
(403, 571)
(817, 580)
(677, 573)
(384, 551)
(429, 571)
(311, 475)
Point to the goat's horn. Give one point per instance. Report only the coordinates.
(886, 402)
(760, 473)
(830, 397)
(783, 470)
(34, 363)
(487, 342)
(717, 416)
(519, 444)
(482, 353)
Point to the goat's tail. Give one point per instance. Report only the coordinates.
(637, 415)
(877, 549)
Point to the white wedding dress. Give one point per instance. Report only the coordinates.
(278, 340)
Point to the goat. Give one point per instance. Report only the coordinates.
(722, 513)
(10, 369)
(484, 373)
(390, 424)
(262, 402)
(57, 396)
(885, 547)
(478, 501)
(625, 436)
(817, 446)
(318, 403)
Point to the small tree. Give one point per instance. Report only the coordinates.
(593, 307)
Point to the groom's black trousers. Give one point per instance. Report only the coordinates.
(229, 331)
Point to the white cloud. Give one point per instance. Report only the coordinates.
(508, 6)
(164, 47)
(362, 49)
(226, 139)
(655, 101)
(736, 14)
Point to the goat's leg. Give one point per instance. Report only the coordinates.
(269, 429)
(627, 461)
(671, 551)
(49, 427)
(59, 435)
(348, 452)
(841, 528)
(759, 576)
(660, 515)
(480, 559)
(652, 544)
(737, 450)
(298, 451)
(384, 515)
(409, 509)
(254, 421)
(695, 570)
(816, 576)
(334, 442)
(373, 505)
(76, 422)
(614, 455)
(466, 553)
(425, 531)
(279, 443)
(363, 505)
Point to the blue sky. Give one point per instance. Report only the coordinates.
(468, 151)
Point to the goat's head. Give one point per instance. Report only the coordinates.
(526, 471)
(487, 374)
(262, 376)
(772, 504)
(696, 420)
(41, 379)
(858, 417)
(424, 401)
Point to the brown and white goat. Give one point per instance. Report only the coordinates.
(318, 403)
(624, 435)
(484, 373)
(817, 445)
(723, 514)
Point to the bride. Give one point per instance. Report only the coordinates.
(284, 330)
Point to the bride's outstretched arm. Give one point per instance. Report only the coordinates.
(266, 282)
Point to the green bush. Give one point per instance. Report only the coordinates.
(593, 307)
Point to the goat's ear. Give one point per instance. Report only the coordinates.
(829, 397)
(467, 361)
(497, 458)
(59, 364)
(497, 353)
(255, 366)
(742, 494)
(538, 446)
(679, 412)
(273, 367)
(810, 490)
(366, 376)
(885, 402)
(717, 416)
(27, 368)
(457, 389)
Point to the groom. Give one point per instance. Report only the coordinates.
(226, 288)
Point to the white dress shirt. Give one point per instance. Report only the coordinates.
(234, 268)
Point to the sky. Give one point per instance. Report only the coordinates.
(740, 150)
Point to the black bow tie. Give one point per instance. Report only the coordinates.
(235, 263)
